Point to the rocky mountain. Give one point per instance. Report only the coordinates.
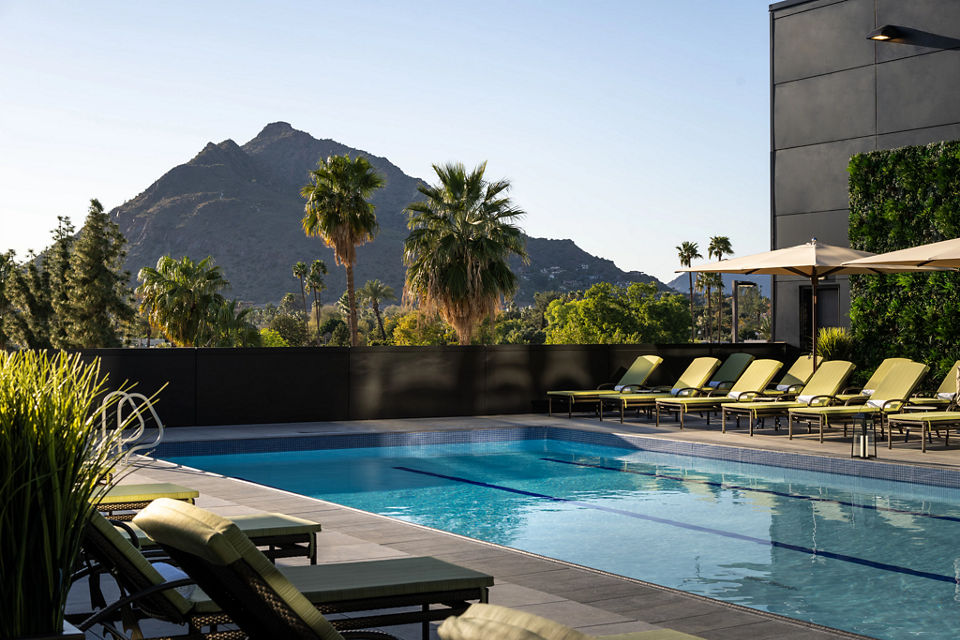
(241, 205)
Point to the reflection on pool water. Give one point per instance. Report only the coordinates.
(875, 557)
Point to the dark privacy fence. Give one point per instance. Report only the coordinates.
(256, 386)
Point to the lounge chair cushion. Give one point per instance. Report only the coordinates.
(122, 493)
(485, 621)
(218, 541)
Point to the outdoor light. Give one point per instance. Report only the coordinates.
(886, 32)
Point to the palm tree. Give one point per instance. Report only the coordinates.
(460, 240)
(703, 283)
(180, 296)
(300, 271)
(374, 292)
(688, 251)
(229, 327)
(318, 269)
(719, 246)
(337, 211)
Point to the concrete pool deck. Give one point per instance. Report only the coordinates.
(592, 601)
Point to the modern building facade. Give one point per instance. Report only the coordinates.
(835, 93)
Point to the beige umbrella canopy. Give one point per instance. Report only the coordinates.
(937, 254)
(812, 260)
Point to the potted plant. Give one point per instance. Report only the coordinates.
(55, 461)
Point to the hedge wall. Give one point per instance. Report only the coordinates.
(902, 198)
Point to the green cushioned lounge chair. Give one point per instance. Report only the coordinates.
(696, 375)
(270, 602)
(927, 422)
(728, 373)
(819, 390)
(854, 396)
(889, 397)
(635, 377)
(944, 395)
(278, 535)
(493, 622)
(751, 384)
(133, 497)
(793, 380)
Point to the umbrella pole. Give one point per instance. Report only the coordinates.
(813, 306)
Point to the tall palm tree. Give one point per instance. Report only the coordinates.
(337, 211)
(458, 249)
(688, 252)
(300, 271)
(373, 293)
(230, 327)
(720, 246)
(180, 297)
(703, 283)
(318, 269)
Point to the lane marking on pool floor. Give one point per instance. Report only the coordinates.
(694, 527)
(724, 485)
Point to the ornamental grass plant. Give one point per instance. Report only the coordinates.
(55, 463)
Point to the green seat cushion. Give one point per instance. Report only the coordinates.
(146, 492)
(584, 394)
(394, 577)
(765, 406)
(929, 417)
(256, 525)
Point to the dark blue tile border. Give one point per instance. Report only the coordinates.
(875, 469)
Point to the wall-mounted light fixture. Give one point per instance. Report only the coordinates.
(884, 33)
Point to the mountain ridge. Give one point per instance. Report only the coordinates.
(241, 205)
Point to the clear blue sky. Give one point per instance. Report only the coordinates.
(627, 126)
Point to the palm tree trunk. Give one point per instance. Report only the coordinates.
(352, 299)
(376, 312)
(303, 294)
(708, 321)
(693, 324)
(316, 304)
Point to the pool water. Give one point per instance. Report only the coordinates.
(875, 557)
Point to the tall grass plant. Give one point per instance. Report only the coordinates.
(54, 464)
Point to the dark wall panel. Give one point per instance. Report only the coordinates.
(241, 386)
(151, 369)
(917, 92)
(814, 178)
(824, 108)
(408, 382)
(932, 18)
(918, 136)
(823, 40)
(826, 226)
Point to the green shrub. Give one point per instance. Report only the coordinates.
(898, 199)
(835, 343)
(54, 461)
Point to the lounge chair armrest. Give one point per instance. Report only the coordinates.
(633, 388)
(748, 396)
(898, 402)
(127, 529)
(107, 612)
(814, 401)
(688, 391)
(851, 389)
(605, 385)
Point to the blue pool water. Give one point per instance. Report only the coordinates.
(876, 557)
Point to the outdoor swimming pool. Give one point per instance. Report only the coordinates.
(875, 557)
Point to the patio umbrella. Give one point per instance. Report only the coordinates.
(812, 260)
(936, 254)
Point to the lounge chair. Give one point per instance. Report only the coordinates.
(133, 497)
(751, 384)
(889, 397)
(493, 622)
(852, 395)
(635, 377)
(945, 394)
(696, 375)
(728, 373)
(793, 380)
(822, 386)
(927, 422)
(228, 568)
